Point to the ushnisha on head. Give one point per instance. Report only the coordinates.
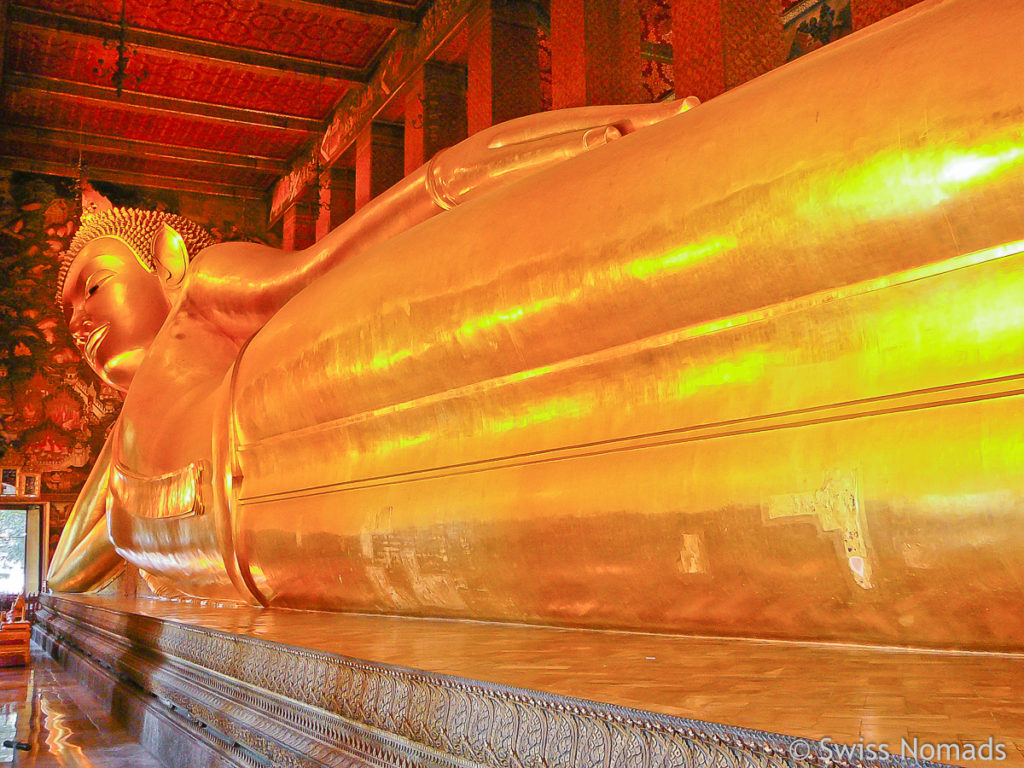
(117, 281)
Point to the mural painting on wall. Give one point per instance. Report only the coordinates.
(810, 24)
(657, 77)
(60, 511)
(54, 411)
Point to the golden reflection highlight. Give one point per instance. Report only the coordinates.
(906, 179)
(60, 735)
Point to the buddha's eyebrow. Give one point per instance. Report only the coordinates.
(82, 277)
(92, 266)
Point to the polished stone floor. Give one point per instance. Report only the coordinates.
(43, 706)
(851, 694)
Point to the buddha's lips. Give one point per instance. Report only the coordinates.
(94, 341)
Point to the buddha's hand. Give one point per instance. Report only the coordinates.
(509, 151)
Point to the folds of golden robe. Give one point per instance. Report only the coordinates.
(755, 370)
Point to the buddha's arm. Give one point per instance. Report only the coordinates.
(239, 286)
(85, 558)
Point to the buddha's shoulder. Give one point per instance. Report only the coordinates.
(237, 254)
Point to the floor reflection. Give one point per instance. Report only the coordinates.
(61, 722)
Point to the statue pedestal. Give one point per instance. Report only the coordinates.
(224, 685)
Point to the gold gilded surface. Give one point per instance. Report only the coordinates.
(92, 564)
(754, 369)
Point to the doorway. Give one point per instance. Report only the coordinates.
(13, 532)
(22, 559)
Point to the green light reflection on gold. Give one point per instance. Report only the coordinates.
(386, 361)
(986, 322)
(507, 316)
(996, 319)
(523, 375)
(671, 262)
(640, 268)
(405, 441)
(743, 370)
(557, 408)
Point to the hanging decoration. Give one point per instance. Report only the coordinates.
(117, 70)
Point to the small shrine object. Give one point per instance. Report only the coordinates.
(15, 634)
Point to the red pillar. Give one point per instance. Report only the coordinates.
(697, 48)
(337, 199)
(595, 52)
(298, 225)
(752, 36)
(867, 12)
(503, 63)
(435, 112)
(379, 160)
(719, 44)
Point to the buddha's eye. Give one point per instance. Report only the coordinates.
(96, 280)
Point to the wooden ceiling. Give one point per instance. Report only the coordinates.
(216, 96)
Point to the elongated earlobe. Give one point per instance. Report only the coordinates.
(170, 255)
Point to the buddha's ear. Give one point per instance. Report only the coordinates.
(170, 255)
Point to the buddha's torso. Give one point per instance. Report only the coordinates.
(168, 510)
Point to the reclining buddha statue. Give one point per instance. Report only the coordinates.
(750, 368)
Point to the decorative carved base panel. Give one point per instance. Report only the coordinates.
(197, 696)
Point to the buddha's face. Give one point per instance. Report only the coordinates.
(114, 307)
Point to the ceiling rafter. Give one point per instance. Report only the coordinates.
(107, 96)
(113, 145)
(399, 15)
(395, 64)
(133, 178)
(179, 45)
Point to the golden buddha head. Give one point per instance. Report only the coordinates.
(117, 281)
